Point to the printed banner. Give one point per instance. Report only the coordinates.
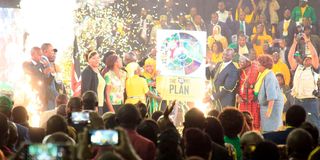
(180, 88)
(181, 64)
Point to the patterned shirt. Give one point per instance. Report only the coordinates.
(117, 86)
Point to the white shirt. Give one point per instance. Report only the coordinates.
(304, 82)
(197, 27)
(224, 65)
(35, 63)
(215, 24)
(223, 16)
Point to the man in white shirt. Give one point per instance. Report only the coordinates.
(304, 87)
(60, 99)
(305, 79)
(222, 12)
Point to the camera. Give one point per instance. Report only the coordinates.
(300, 35)
(300, 30)
(80, 117)
(104, 137)
(316, 93)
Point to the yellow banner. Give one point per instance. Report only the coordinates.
(181, 88)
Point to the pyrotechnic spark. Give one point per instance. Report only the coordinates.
(26, 96)
(203, 107)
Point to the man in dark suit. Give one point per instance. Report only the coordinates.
(39, 75)
(198, 24)
(225, 30)
(225, 78)
(286, 28)
(56, 85)
(241, 26)
(295, 116)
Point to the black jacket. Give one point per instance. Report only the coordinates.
(39, 81)
(89, 80)
(219, 152)
(291, 31)
(236, 28)
(278, 137)
(225, 83)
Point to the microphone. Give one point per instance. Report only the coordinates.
(45, 61)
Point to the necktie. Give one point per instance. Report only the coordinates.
(222, 67)
(285, 27)
(241, 26)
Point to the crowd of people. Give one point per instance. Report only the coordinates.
(263, 64)
(225, 135)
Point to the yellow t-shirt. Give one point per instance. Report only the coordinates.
(281, 67)
(216, 58)
(248, 18)
(258, 45)
(136, 89)
(243, 50)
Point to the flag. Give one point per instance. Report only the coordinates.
(75, 70)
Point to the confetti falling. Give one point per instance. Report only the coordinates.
(115, 26)
(104, 27)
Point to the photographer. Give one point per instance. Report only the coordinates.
(305, 79)
(298, 49)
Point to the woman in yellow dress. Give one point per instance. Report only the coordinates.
(216, 36)
(216, 52)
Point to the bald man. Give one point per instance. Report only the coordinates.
(38, 75)
(225, 77)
